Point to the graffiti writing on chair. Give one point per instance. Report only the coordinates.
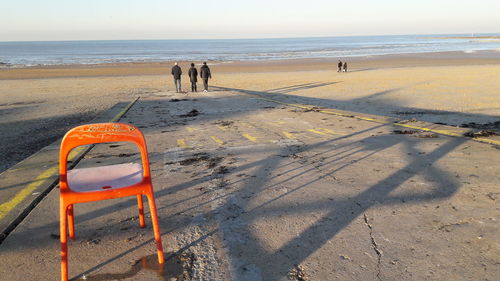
(105, 128)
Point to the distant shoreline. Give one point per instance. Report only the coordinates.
(455, 54)
(313, 64)
(467, 37)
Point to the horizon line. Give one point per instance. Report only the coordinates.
(473, 34)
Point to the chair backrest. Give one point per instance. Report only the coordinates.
(102, 133)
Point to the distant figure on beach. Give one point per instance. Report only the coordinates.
(177, 72)
(345, 66)
(340, 66)
(193, 76)
(205, 75)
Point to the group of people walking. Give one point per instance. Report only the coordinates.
(193, 76)
(205, 75)
(342, 66)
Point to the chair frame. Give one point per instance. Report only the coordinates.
(95, 134)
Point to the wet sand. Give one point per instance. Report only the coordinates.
(40, 103)
(163, 68)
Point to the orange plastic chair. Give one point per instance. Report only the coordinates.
(105, 182)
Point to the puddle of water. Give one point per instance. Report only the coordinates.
(176, 267)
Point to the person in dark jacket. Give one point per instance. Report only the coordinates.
(345, 66)
(193, 76)
(177, 72)
(205, 75)
(339, 66)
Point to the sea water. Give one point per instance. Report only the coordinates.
(114, 51)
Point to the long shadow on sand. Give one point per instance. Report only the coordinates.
(370, 104)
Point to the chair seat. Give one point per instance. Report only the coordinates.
(104, 177)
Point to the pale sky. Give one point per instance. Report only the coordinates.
(33, 20)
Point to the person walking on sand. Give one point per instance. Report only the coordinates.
(345, 66)
(193, 76)
(177, 72)
(339, 66)
(205, 75)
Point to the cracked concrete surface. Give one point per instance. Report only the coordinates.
(375, 246)
(361, 203)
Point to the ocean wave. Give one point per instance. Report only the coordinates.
(14, 54)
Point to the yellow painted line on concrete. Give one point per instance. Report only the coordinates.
(7, 207)
(75, 152)
(53, 171)
(121, 113)
(323, 132)
(217, 140)
(289, 135)
(182, 143)
(490, 141)
(250, 137)
(19, 169)
(275, 101)
(248, 125)
(438, 131)
(317, 132)
(370, 119)
(448, 133)
(302, 106)
(190, 129)
(328, 131)
(443, 132)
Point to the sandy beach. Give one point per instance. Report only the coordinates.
(39, 104)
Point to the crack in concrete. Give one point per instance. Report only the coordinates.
(375, 246)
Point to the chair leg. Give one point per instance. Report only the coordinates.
(71, 222)
(63, 232)
(156, 228)
(140, 205)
